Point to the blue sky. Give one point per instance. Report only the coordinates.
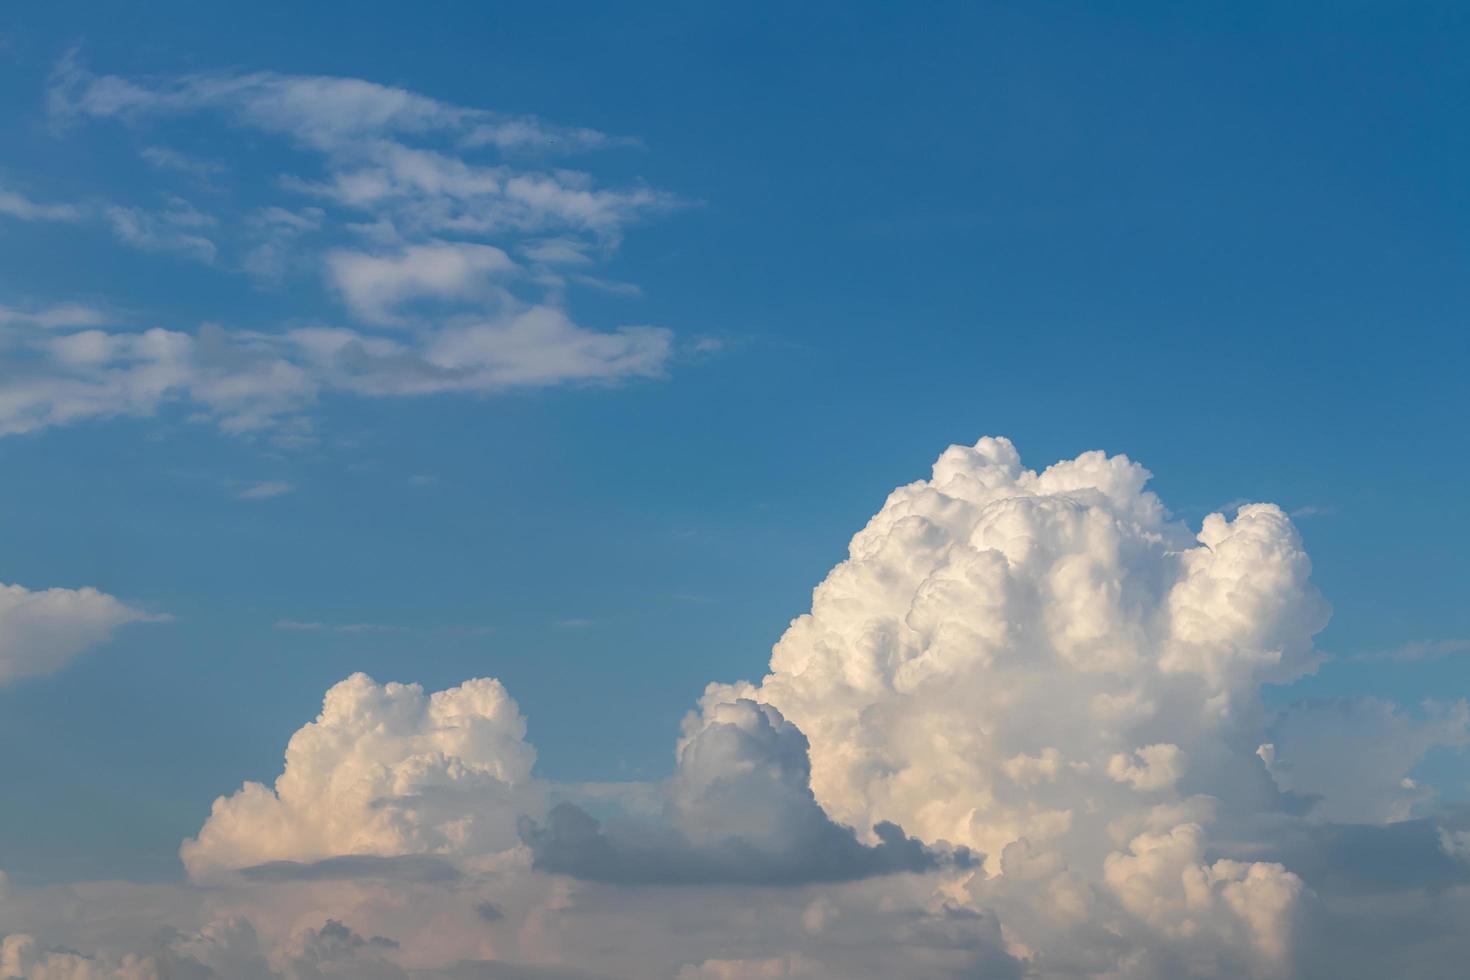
(1227, 240)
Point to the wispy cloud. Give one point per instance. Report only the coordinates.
(264, 490)
(16, 205)
(408, 219)
(42, 630)
(51, 317)
(309, 626)
(164, 158)
(1418, 650)
(176, 228)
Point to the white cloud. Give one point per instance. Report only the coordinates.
(174, 229)
(249, 382)
(374, 286)
(319, 111)
(556, 251)
(240, 379)
(264, 490)
(1164, 880)
(993, 612)
(1046, 667)
(40, 631)
(313, 626)
(1153, 767)
(17, 205)
(63, 315)
(1041, 665)
(365, 134)
(409, 237)
(384, 770)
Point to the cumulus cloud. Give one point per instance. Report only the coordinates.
(384, 770)
(993, 615)
(1043, 667)
(1048, 668)
(40, 631)
(740, 809)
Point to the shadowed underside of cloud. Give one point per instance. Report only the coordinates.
(1376, 859)
(573, 843)
(739, 809)
(405, 867)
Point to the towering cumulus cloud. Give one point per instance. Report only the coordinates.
(1009, 655)
(385, 770)
(1047, 668)
(1020, 733)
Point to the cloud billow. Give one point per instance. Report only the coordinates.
(741, 810)
(1045, 670)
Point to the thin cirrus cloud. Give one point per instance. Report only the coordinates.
(1052, 687)
(264, 490)
(315, 626)
(16, 205)
(65, 315)
(1419, 650)
(177, 227)
(405, 214)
